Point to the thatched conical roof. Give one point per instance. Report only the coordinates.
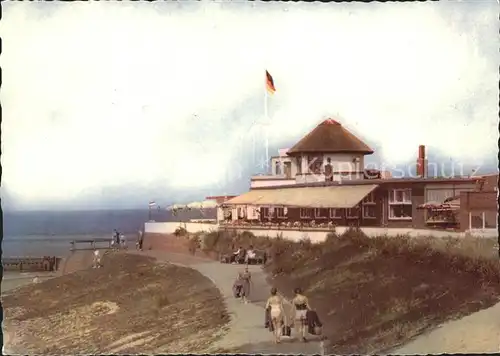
(330, 137)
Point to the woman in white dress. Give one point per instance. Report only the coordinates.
(276, 313)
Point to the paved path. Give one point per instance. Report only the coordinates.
(476, 333)
(247, 333)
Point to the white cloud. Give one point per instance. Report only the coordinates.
(102, 94)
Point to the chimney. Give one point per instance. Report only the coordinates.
(421, 162)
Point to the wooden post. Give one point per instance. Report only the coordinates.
(484, 220)
(470, 220)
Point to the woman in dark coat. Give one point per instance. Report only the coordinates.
(246, 279)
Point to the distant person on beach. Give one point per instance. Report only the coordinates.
(276, 313)
(300, 306)
(115, 240)
(140, 240)
(123, 241)
(97, 259)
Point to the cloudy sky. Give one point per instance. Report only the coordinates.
(115, 103)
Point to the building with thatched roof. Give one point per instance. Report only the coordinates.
(330, 137)
(322, 182)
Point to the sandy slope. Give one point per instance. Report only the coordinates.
(131, 305)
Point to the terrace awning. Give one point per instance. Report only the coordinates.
(346, 196)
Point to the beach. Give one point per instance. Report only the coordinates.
(13, 280)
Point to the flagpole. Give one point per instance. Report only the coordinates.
(253, 144)
(266, 120)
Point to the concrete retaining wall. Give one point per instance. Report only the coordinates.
(170, 227)
(314, 235)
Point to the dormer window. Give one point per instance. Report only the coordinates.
(315, 164)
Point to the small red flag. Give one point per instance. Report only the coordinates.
(270, 83)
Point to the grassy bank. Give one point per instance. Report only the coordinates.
(131, 305)
(374, 294)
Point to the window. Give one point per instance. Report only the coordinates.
(400, 196)
(264, 212)
(400, 205)
(352, 213)
(369, 212)
(321, 213)
(280, 213)
(369, 199)
(335, 213)
(278, 168)
(288, 169)
(400, 212)
(305, 213)
(299, 165)
(315, 163)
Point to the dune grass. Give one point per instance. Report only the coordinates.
(374, 294)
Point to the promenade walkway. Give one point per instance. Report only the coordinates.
(246, 333)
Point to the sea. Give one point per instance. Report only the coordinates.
(49, 233)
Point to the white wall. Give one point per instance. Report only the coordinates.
(344, 162)
(483, 232)
(315, 236)
(220, 214)
(340, 163)
(311, 178)
(261, 181)
(170, 227)
(439, 192)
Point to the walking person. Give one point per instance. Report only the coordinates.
(140, 240)
(116, 239)
(246, 280)
(276, 313)
(300, 306)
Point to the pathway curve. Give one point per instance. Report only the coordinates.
(246, 333)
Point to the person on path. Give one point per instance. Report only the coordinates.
(246, 279)
(276, 313)
(300, 306)
(140, 240)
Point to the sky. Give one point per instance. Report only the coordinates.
(115, 104)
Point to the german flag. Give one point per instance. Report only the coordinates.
(270, 83)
